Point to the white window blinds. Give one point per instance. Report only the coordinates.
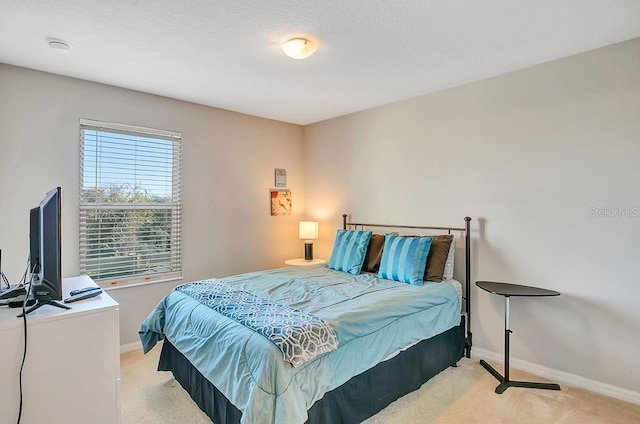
(130, 203)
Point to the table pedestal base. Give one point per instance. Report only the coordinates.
(506, 383)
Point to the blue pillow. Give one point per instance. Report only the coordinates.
(404, 259)
(349, 250)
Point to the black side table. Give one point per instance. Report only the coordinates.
(507, 290)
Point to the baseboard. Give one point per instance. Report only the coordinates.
(560, 376)
(130, 347)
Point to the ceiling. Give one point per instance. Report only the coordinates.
(225, 53)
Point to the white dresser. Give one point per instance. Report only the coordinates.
(72, 369)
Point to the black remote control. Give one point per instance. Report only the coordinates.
(82, 296)
(83, 290)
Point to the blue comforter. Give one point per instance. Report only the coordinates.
(372, 317)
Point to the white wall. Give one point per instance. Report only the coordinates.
(527, 155)
(228, 166)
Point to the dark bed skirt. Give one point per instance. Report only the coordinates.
(358, 399)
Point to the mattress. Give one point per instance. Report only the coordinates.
(364, 310)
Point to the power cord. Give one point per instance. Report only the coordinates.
(27, 269)
(24, 321)
(24, 354)
(20, 283)
(5, 279)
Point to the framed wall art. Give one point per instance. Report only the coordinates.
(280, 176)
(280, 202)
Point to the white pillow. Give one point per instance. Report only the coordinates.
(448, 265)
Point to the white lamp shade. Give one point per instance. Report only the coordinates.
(308, 230)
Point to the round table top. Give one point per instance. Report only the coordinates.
(510, 289)
(303, 262)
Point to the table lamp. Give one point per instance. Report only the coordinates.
(308, 232)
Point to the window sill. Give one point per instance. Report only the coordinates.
(108, 285)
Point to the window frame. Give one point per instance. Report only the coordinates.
(175, 205)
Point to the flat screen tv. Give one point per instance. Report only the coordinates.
(45, 251)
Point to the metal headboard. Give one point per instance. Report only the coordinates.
(467, 254)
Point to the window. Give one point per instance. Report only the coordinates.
(130, 203)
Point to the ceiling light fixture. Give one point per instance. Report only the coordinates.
(299, 48)
(59, 46)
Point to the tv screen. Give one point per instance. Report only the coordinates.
(46, 246)
(34, 241)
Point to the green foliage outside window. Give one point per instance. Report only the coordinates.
(127, 234)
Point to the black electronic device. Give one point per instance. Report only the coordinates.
(45, 235)
(13, 292)
(84, 290)
(18, 301)
(82, 296)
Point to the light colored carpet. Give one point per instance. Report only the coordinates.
(461, 394)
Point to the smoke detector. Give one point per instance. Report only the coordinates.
(59, 46)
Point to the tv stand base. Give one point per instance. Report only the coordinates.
(40, 303)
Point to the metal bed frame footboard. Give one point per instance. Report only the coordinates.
(467, 253)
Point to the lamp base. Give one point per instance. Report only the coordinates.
(308, 250)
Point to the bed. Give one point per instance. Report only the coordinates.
(388, 338)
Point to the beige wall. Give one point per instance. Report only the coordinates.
(527, 155)
(228, 165)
